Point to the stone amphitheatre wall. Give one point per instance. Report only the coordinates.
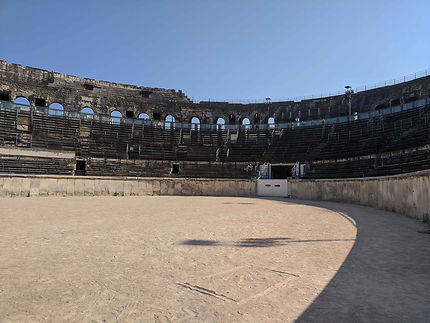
(42, 88)
(45, 185)
(407, 194)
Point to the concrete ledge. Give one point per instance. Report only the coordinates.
(32, 152)
(50, 185)
(407, 194)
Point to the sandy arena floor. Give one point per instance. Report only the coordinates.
(174, 259)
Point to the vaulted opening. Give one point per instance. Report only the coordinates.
(40, 102)
(129, 114)
(143, 116)
(116, 117)
(145, 93)
(80, 168)
(4, 96)
(21, 100)
(56, 109)
(87, 110)
(195, 123)
(246, 123)
(231, 119)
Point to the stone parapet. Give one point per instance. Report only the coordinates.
(40, 185)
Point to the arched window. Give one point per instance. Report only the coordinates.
(56, 109)
(87, 113)
(257, 118)
(143, 116)
(271, 122)
(21, 100)
(246, 123)
(195, 123)
(116, 117)
(168, 120)
(87, 110)
(220, 123)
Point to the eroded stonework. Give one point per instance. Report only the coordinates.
(43, 88)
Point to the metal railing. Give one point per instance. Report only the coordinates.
(118, 121)
(406, 78)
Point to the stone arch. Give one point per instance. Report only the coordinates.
(144, 116)
(87, 111)
(220, 122)
(116, 116)
(245, 122)
(169, 122)
(195, 123)
(169, 118)
(21, 100)
(271, 122)
(56, 109)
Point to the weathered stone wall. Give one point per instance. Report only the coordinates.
(407, 194)
(43, 87)
(40, 185)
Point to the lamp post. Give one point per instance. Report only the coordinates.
(349, 92)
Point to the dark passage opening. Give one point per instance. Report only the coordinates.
(40, 102)
(145, 93)
(80, 168)
(395, 102)
(129, 114)
(156, 116)
(5, 96)
(280, 171)
(231, 119)
(175, 169)
(133, 152)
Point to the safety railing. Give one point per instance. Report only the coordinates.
(362, 88)
(198, 126)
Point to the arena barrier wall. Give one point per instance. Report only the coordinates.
(407, 194)
(46, 185)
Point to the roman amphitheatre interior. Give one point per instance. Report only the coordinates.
(129, 203)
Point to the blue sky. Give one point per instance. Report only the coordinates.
(220, 49)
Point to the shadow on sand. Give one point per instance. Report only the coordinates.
(386, 276)
(254, 242)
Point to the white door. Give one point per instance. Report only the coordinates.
(272, 187)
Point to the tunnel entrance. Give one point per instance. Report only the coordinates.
(80, 168)
(280, 171)
(129, 114)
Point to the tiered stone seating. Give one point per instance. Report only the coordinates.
(13, 164)
(216, 170)
(366, 147)
(365, 166)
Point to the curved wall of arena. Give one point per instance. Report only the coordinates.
(15, 185)
(43, 87)
(407, 194)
